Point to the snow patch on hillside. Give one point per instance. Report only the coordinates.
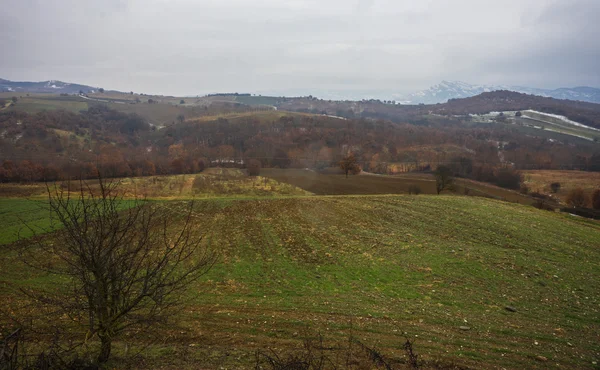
(562, 118)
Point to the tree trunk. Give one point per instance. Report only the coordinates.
(105, 348)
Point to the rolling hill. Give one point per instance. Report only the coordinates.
(476, 283)
(51, 86)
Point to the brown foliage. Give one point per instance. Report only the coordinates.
(577, 198)
(349, 164)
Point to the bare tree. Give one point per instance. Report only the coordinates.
(444, 179)
(126, 260)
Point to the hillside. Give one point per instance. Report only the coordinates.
(57, 144)
(494, 101)
(51, 86)
(497, 101)
(438, 269)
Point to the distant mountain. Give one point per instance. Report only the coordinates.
(51, 86)
(447, 90)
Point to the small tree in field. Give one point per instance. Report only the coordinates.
(444, 179)
(349, 164)
(253, 167)
(577, 198)
(127, 261)
(555, 187)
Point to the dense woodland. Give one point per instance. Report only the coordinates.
(54, 145)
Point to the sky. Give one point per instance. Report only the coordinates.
(318, 47)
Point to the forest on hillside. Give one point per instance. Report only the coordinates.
(53, 145)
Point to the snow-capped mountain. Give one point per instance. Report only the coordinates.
(446, 90)
(51, 86)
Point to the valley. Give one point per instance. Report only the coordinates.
(490, 271)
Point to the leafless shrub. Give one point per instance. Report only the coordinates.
(410, 354)
(355, 355)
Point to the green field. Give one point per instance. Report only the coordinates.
(24, 218)
(40, 102)
(378, 267)
(258, 100)
(21, 218)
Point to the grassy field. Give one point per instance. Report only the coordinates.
(379, 267)
(27, 204)
(265, 117)
(213, 182)
(15, 214)
(26, 217)
(39, 102)
(257, 100)
(540, 181)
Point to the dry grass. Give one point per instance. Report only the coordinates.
(540, 181)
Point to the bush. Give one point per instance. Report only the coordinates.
(555, 187)
(414, 189)
(444, 179)
(541, 204)
(253, 167)
(509, 178)
(596, 199)
(577, 198)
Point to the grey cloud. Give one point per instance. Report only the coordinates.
(194, 47)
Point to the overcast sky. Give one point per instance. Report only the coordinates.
(187, 47)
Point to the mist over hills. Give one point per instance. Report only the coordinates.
(447, 90)
(440, 93)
